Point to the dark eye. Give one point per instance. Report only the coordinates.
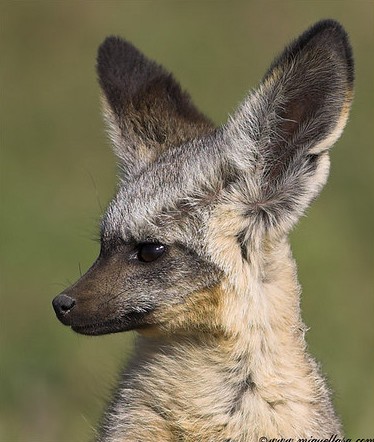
(150, 251)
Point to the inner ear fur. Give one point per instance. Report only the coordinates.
(306, 91)
(313, 79)
(280, 135)
(145, 108)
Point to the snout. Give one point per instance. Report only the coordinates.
(102, 302)
(63, 304)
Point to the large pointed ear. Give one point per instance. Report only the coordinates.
(145, 108)
(280, 135)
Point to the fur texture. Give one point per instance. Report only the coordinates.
(194, 251)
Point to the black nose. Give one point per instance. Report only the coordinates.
(62, 305)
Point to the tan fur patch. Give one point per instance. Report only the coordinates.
(201, 312)
(340, 125)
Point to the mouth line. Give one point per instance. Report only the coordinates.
(94, 328)
(116, 325)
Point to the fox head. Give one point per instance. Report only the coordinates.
(197, 205)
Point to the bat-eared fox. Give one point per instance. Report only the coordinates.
(194, 250)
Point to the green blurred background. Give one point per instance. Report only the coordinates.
(58, 172)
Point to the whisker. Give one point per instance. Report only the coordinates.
(96, 191)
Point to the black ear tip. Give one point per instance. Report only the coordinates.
(111, 40)
(106, 51)
(330, 34)
(115, 43)
(121, 67)
(334, 33)
(108, 45)
(114, 48)
(327, 23)
(326, 32)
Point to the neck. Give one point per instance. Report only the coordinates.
(286, 395)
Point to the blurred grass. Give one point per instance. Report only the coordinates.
(57, 172)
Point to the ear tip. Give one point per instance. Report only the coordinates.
(326, 35)
(121, 68)
(114, 49)
(114, 43)
(331, 33)
(325, 31)
(327, 23)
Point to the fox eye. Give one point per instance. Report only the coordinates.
(149, 252)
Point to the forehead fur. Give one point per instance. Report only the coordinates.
(171, 198)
